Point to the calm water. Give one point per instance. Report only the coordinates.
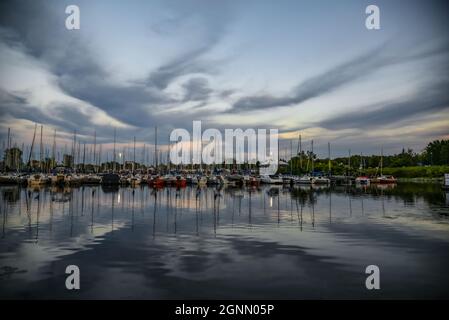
(270, 242)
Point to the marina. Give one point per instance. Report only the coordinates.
(233, 154)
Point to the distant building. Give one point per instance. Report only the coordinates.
(68, 161)
(13, 159)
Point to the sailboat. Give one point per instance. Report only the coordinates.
(362, 179)
(38, 179)
(305, 179)
(321, 180)
(58, 179)
(383, 179)
(271, 179)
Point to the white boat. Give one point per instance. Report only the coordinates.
(287, 179)
(321, 180)
(92, 179)
(73, 179)
(305, 179)
(135, 181)
(271, 179)
(38, 180)
(212, 180)
(199, 180)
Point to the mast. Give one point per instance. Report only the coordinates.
(291, 157)
(32, 145)
(143, 154)
(349, 161)
(381, 159)
(74, 148)
(134, 154)
(312, 158)
(155, 146)
(300, 152)
(329, 154)
(79, 152)
(84, 156)
(113, 156)
(19, 162)
(95, 150)
(168, 155)
(99, 156)
(53, 152)
(361, 163)
(9, 138)
(41, 155)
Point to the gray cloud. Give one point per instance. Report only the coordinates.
(33, 28)
(196, 89)
(186, 64)
(333, 79)
(215, 17)
(432, 98)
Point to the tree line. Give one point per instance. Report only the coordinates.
(436, 153)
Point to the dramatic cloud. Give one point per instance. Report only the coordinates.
(34, 29)
(333, 79)
(428, 100)
(203, 60)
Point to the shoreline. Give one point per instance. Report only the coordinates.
(422, 180)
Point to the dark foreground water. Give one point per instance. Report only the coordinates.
(270, 242)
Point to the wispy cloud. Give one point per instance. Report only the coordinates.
(335, 78)
(431, 98)
(33, 28)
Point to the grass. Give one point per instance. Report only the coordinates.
(413, 172)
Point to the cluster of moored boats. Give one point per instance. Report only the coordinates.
(173, 179)
(383, 179)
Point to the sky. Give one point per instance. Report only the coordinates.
(303, 67)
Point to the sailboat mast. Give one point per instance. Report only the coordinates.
(155, 147)
(312, 158)
(9, 138)
(53, 153)
(32, 145)
(361, 163)
(168, 155)
(349, 162)
(95, 150)
(381, 159)
(84, 155)
(41, 147)
(99, 156)
(74, 149)
(79, 152)
(300, 152)
(113, 156)
(134, 154)
(291, 157)
(143, 156)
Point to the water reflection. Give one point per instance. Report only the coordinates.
(277, 241)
